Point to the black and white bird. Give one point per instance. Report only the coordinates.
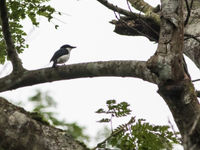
(62, 55)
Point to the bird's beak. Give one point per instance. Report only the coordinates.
(73, 47)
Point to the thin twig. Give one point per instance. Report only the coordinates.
(173, 130)
(188, 13)
(189, 36)
(191, 4)
(59, 20)
(118, 18)
(195, 80)
(128, 6)
(63, 13)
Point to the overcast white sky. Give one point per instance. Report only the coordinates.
(85, 24)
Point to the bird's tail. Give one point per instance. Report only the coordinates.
(54, 64)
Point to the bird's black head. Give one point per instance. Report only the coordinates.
(66, 46)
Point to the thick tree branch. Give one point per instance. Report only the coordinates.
(118, 9)
(136, 69)
(11, 51)
(18, 131)
(147, 9)
(141, 5)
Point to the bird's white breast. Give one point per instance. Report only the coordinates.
(63, 59)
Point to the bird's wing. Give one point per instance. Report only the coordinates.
(59, 53)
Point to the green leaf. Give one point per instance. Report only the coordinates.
(104, 120)
(19, 10)
(56, 26)
(101, 110)
(110, 102)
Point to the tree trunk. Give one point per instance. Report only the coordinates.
(168, 64)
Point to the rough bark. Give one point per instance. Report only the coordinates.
(192, 42)
(136, 69)
(167, 63)
(150, 28)
(18, 131)
(166, 68)
(176, 87)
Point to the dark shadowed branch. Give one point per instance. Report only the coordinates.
(188, 11)
(136, 69)
(198, 93)
(189, 36)
(129, 26)
(11, 51)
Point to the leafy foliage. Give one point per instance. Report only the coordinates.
(42, 102)
(115, 110)
(19, 10)
(136, 134)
